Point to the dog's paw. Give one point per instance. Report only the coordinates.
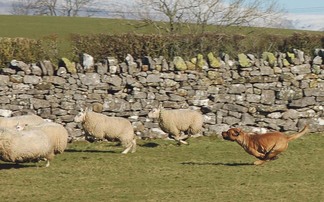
(259, 162)
(261, 156)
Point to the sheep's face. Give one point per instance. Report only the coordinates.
(154, 114)
(20, 126)
(79, 117)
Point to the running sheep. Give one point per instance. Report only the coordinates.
(56, 132)
(22, 146)
(178, 121)
(12, 122)
(103, 127)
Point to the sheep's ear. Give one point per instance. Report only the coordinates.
(160, 106)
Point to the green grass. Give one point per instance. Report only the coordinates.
(209, 169)
(40, 26)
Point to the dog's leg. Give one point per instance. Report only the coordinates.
(274, 158)
(255, 153)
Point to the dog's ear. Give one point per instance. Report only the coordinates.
(237, 131)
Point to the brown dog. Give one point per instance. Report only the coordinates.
(266, 146)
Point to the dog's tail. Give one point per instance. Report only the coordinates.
(297, 135)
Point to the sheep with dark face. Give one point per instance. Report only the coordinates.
(103, 127)
(177, 121)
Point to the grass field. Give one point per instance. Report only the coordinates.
(38, 27)
(209, 169)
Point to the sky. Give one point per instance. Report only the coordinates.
(304, 14)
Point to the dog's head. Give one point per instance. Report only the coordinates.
(232, 134)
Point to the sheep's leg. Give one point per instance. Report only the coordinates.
(47, 163)
(177, 136)
(126, 150)
(133, 145)
(49, 158)
(128, 147)
(180, 140)
(183, 136)
(183, 142)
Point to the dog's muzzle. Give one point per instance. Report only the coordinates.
(225, 136)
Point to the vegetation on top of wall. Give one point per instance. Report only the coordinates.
(27, 50)
(189, 45)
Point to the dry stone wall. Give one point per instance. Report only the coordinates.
(255, 94)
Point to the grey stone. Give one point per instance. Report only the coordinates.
(268, 97)
(216, 130)
(101, 68)
(4, 80)
(87, 61)
(38, 103)
(237, 89)
(36, 70)
(303, 102)
(114, 80)
(29, 79)
(54, 79)
(236, 108)
(301, 69)
(21, 65)
(153, 78)
(317, 60)
(61, 71)
(89, 79)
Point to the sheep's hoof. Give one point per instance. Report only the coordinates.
(183, 142)
(126, 151)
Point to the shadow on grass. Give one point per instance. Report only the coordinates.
(7, 166)
(89, 151)
(150, 145)
(216, 164)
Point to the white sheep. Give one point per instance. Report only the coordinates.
(56, 132)
(178, 121)
(12, 122)
(103, 127)
(19, 147)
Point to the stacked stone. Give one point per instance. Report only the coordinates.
(282, 91)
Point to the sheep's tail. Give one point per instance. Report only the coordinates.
(297, 135)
